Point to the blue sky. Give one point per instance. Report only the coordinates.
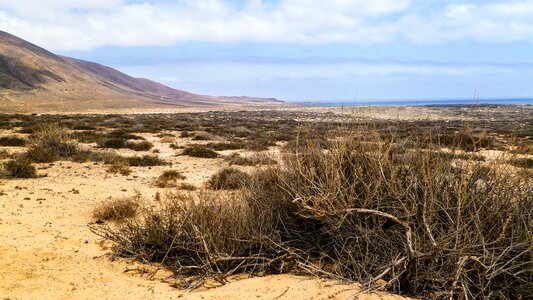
(296, 49)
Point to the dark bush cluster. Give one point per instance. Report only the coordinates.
(145, 161)
(12, 141)
(200, 151)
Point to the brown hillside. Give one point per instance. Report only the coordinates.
(33, 79)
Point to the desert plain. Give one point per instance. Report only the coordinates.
(49, 248)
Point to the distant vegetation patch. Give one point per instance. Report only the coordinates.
(200, 151)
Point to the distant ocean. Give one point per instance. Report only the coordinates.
(416, 102)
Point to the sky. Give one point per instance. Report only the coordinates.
(296, 50)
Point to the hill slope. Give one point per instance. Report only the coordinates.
(33, 79)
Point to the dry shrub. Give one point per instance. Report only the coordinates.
(145, 161)
(409, 221)
(167, 139)
(186, 186)
(425, 223)
(117, 209)
(260, 143)
(12, 141)
(168, 179)
(523, 147)
(466, 140)
(88, 136)
(124, 134)
(114, 143)
(203, 136)
(221, 146)
(195, 237)
(200, 151)
(227, 179)
(175, 146)
(19, 167)
(140, 146)
(250, 160)
(4, 154)
(522, 162)
(120, 168)
(51, 142)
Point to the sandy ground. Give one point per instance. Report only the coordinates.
(48, 252)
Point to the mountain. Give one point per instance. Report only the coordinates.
(33, 79)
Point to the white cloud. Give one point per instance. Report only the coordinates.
(87, 24)
(494, 22)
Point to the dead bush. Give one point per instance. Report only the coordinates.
(139, 146)
(250, 160)
(4, 154)
(221, 146)
(145, 161)
(168, 179)
(412, 222)
(120, 168)
(117, 209)
(200, 151)
(186, 186)
(522, 162)
(212, 235)
(113, 143)
(51, 142)
(12, 141)
(227, 179)
(19, 167)
(167, 139)
(203, 136)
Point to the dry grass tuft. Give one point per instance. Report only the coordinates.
(168, 179)
(250, 160)
(18, 167)
(117, 209)
(227, 179)
(200, 151)
(145, 161)
(51, 142)
(186, 186)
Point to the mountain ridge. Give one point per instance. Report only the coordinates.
(35, 79)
